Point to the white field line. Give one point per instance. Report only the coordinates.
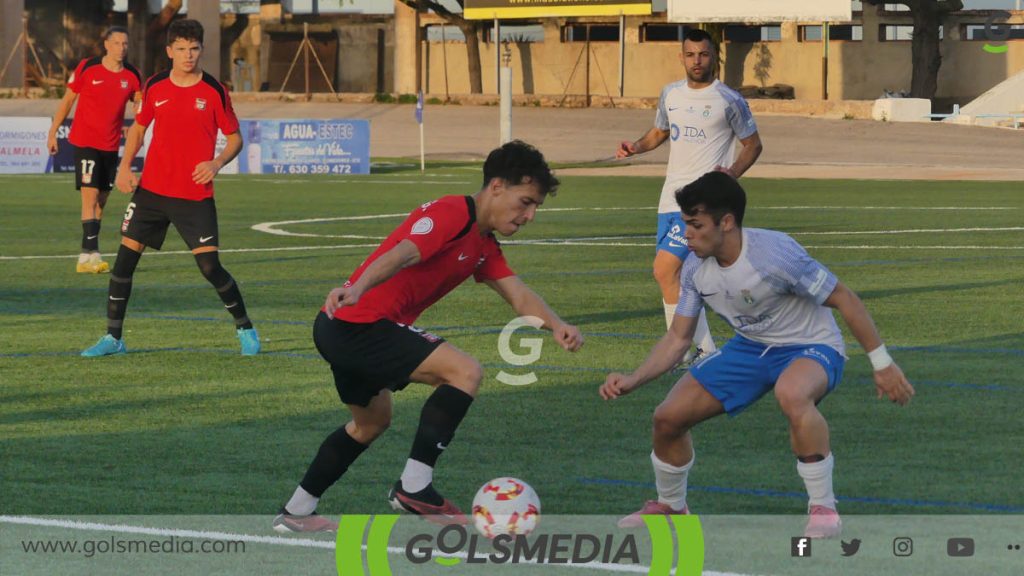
(907, 231)
(276, 540)
(539, 243)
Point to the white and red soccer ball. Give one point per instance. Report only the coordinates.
(505, 506)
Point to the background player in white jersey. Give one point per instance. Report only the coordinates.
(777, 299)
(702, 117)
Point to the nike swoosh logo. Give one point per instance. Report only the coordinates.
(671, 109)
(462, 257)
(203, 239)
(116, 299)
(441, 446)
(90, 237)
(703, 295)
(161, 102)
(674, 245)
(95, 82)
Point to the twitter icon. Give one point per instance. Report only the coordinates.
(850, 548)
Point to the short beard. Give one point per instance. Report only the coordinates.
(707, 76)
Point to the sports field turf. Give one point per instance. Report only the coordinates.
(184, 425)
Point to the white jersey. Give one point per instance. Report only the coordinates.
(703, 125)
(772, 294)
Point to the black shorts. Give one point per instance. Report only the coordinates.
(95, 168)
(147, 216)
(368, 358)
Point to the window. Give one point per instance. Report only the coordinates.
(520, 32)
(977, 32)
(892, 32)
(747, 34)
(848, 32)
(895, 8)
(598, 32)
(437, 33)
(858, 7)
(663, 32)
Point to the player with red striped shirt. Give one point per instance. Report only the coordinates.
(365, 331)
(186, 108)
(102, 86)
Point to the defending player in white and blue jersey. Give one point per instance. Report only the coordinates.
(702, 118)
(777, 299)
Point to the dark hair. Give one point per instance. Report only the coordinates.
(516, 162)
(698, 35)
(715, 193)
(186, 30)
(113, 30)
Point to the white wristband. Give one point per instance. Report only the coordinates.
(880, 359)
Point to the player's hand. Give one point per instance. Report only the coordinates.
(126, 180)
(205, 171)
(51, 144)
(626, 149)
(568, 337)
(892, 383)
(341, 297)
(616, 385)
(727, 171)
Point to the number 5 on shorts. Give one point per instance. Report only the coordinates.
(128, 213)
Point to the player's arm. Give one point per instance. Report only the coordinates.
(526, 302)
(126, 181)
(206, 171)
(751, 149)
(63, 109)
(665, 354)
(403, 255)
(652, 139)
(889, 379)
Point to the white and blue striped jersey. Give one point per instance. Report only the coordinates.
(703, 125)
(772, 294)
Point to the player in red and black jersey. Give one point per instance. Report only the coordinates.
(365, 331)
(103, 86)
(186, 108)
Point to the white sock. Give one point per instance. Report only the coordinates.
(670, 313)
(818, 480)
(83, 257)
(702, 336)
(416, 476)
(671, 481)
(302, 503)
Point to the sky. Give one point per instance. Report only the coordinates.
(387, 6)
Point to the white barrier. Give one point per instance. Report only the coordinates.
(901, 110)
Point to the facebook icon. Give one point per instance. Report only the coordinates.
(800, 547)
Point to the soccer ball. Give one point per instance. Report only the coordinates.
(505, 506)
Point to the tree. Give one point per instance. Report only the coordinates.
(469, 28)
(928, 16)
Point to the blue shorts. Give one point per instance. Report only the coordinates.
(742, 371)
(670, 234)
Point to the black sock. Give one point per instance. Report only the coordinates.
(90, 236)
(337, 452)
(227, 288)
(120, 289)
(441, 415)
